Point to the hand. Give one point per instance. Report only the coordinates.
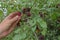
(9, 23)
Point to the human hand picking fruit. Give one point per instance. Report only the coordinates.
(9, 23)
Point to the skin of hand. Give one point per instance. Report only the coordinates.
(8, 24)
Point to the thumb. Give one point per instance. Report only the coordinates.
(14, 19)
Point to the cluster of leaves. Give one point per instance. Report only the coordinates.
(40, 20)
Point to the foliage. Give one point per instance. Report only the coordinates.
(43, 24)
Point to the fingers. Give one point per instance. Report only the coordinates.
(8, 22)
(13, 26)
(12, 15)
(10, 30)
(14, 19)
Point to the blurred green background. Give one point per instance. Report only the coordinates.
(44, 24)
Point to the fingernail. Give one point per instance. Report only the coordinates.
(17, 16)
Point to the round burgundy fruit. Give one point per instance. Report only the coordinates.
(19, 13)
(41, 37)
(28, 14)
(26, 10)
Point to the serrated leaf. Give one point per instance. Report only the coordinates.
(34, 28)
(32, 22)
(42, 23)
(44, 32)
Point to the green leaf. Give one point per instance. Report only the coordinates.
(32, 22)
(19, 36)
(16, 37)
(34, 28)
(17, 30)
(42, 23)
(44, 31)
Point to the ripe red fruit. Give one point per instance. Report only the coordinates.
(19, 13)
(28, 14)
(41, 37)
(26, 10)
